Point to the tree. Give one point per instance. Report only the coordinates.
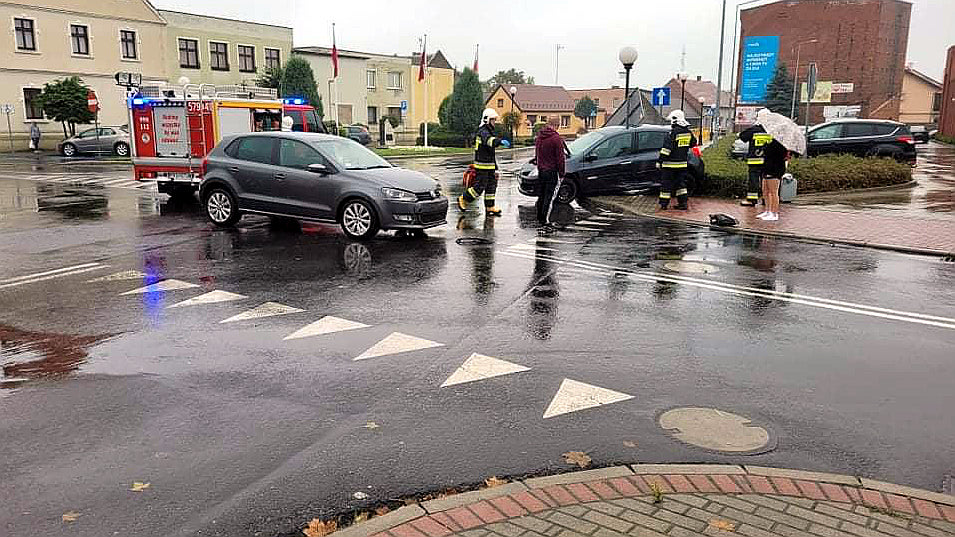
(444, 112)
(64, 100)
(298, 80)
(585, 108)
(511, 76)
(467, 104)
(779, 92)
(511, 120)
(271, 78)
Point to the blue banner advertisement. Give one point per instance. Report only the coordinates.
(759, 65)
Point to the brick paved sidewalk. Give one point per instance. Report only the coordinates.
(905, 233)
(689, 500)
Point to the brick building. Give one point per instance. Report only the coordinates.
(862, 42)
(946, 125)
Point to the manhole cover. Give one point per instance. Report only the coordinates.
(690, 267)
(716, 430)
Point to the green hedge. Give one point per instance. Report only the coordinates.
(727, 177)
(939, 137)
(442, 139)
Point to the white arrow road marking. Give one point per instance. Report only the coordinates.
(480, 367)
(573, 396)
(268, 309)
(212, 297)
(397, 343)
(50, 274)
(120, 276)
(325, 325)
(165, 285)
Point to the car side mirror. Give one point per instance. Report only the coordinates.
(590, 158)
(534, 161)
(319, 168)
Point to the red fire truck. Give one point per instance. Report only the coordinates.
(175, 127)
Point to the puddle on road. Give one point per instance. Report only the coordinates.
(27, 356)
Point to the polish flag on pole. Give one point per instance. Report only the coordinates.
(334, 53)
(476, 47)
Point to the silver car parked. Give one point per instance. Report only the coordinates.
(112, 140)
(317, 177)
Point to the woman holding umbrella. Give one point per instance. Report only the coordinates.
(787, 139)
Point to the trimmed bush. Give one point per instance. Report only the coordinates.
(442, 139)
(727, 177)
(939, 137)
(432, 129)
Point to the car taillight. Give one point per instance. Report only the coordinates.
(906, 139)
(696, 151)
(147, 175)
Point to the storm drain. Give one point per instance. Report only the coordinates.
(716, 430)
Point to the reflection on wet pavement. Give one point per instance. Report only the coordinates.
(26, 355)
(933, 196)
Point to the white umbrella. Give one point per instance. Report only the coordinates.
(783, 130)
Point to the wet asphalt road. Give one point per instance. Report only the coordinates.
(240, 432)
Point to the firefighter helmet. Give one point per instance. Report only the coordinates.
(488, 115)
(677, 117)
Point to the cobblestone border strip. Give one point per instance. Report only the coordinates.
(781, 234)
(442, 517)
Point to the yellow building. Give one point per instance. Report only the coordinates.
(440, 84)
(536, 104)
(921, 99)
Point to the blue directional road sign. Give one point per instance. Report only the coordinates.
(661, 96)
(404, 106)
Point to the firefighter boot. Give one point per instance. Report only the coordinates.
(681, 204)
(462, 204)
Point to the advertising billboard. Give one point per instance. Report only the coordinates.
(759, 65)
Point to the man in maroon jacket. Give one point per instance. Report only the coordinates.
(549, 149)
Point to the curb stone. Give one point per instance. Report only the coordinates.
(512, 501)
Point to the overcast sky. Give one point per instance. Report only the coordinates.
(524, 33)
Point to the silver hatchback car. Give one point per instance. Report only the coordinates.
(114, 140)
(320, 178)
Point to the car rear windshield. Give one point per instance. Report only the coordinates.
(351, 155)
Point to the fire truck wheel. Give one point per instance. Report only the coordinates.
(221, 207)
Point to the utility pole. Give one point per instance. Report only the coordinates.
(557, 66)
(719, 78)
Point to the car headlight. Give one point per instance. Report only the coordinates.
(399, 195)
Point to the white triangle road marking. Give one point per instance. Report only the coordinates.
(120, 276)
(396, 343)
(165, 285)
(325, 325)
(268, 309)
(573, 396)
(212, 297)
(480, 367)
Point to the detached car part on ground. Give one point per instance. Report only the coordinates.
(317, 178)
(111, 140)
(612, 160)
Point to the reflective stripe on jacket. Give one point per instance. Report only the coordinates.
(676, 147)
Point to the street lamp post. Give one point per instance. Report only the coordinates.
(627, 56)
(702, 114)
(513, 96)
(682, 78)
(719, 74)
(797, 46)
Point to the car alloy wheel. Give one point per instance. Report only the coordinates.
(219, 207)
(69, 150)
(358, 220)
(122, 149)
(567, 191)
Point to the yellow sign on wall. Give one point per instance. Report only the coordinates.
(823, 93)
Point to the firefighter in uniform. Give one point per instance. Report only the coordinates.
(673, 161)
(758, 139)
(485, 165)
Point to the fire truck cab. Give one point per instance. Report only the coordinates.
(175, 127)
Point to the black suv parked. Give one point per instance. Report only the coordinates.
(864, 138)
(612, 160)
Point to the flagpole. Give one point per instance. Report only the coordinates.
(427, 108)
(335, 76)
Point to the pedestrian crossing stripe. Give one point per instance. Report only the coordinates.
(268, 309)
(573, 396)
(480, 367)
(165, 285)
(212, 297)
(599, 217)
(120, 276)
(554, 241)
(397, 343)
(325, 325)
(581, 228)
(529, 248)
(607, 213)
(588, 222)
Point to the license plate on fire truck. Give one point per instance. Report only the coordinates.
(177, 177)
